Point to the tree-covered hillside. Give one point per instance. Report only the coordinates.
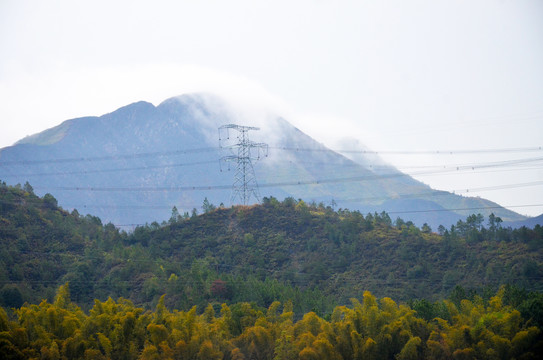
(289, 250)
(43, 245)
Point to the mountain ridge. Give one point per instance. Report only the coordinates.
(182, 133)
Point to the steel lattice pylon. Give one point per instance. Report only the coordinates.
(247, 151)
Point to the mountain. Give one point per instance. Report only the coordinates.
(133, 165)
(529, 223)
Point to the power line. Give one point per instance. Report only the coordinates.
(414, 152)
(387, 176)
(295, 149)
(438, 168)
(111, 170)
(462, 209)
(372, 198)
(473, 168)
(440, 192)
(265, 185)
(138, 189)
(518, 164)
(110, 157)
(410, 211)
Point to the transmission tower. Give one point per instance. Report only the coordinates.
(246, 151)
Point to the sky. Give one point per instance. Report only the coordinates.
(427, 84)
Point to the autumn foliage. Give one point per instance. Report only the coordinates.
(367, 329)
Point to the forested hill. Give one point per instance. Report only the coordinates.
(281, 250)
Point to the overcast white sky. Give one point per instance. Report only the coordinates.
(396, 75)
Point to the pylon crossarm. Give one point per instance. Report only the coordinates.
(238, 127)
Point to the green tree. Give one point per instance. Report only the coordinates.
(175, 217)
(207, 206)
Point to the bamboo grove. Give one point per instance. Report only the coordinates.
(367, 329)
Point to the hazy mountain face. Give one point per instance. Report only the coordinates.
(133, 165)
